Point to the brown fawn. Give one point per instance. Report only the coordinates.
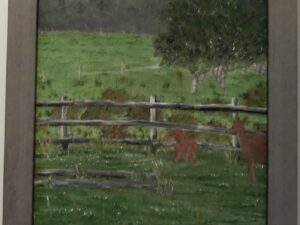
(253, 147)
(185, 146)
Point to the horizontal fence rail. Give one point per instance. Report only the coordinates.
(136, 123)
(157, 105)
(79, 140)
(132, 123)
(152, 123)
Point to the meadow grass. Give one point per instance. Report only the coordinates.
(126, 62)
(212, 190)
(122, 61)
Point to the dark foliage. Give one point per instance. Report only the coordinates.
(212, 32)
(130, 16)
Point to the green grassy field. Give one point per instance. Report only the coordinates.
(126, 62)
(212, 190)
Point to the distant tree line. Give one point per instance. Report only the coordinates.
(130, 16)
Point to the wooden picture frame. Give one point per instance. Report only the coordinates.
(284, 157)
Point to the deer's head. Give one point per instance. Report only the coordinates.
(237, 126)
(178, 135)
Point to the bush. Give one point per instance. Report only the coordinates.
(138, 113)
(115, 94)
(131, 83)
(166, 84)
(179, 75)
(114, 132)
(78, 82)
(124, 79)
(98, 83)
(95, 113)
(43, 82)
(256, 96)
(183, 117)
(143, 85)
(71, 113)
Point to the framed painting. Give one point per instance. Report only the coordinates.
(151, 112)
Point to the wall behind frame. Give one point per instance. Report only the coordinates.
(3, 52)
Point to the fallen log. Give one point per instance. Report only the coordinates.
(120, 174)
(86, 184)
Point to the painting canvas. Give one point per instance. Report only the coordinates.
(151, 112)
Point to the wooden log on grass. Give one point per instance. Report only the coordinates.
(120, 174)
(88, 184)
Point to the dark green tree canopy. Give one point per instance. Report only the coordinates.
(212, 32)
(130, 16)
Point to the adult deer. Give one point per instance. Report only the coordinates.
(253, 147)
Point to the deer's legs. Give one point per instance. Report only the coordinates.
(194, 154)
(191, 154)
(193, 150)
(178, 153)
(186, 153)
(251, 172)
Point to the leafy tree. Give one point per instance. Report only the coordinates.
(212, 33)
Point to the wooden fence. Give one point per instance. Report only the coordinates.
(152, 105)
(75, 178)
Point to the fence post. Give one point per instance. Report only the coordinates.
(64, 129)
(234, 142)
(153, 130)
(80, 72)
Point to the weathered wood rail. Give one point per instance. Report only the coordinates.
(89, 184)
(136, 123)
(152, 124)
(79, 140)
(95, 179)
(157, 105)
(133, 123)
(118, 174)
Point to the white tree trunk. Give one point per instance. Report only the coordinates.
(258, 68)
(198, 78)
(194, 83)
(221, 73)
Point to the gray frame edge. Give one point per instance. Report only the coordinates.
(283, 174)
(19, 121)
(283, 188)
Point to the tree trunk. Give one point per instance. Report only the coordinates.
(221, 76)
(198, 77)
(195, 83)
(258, 68)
